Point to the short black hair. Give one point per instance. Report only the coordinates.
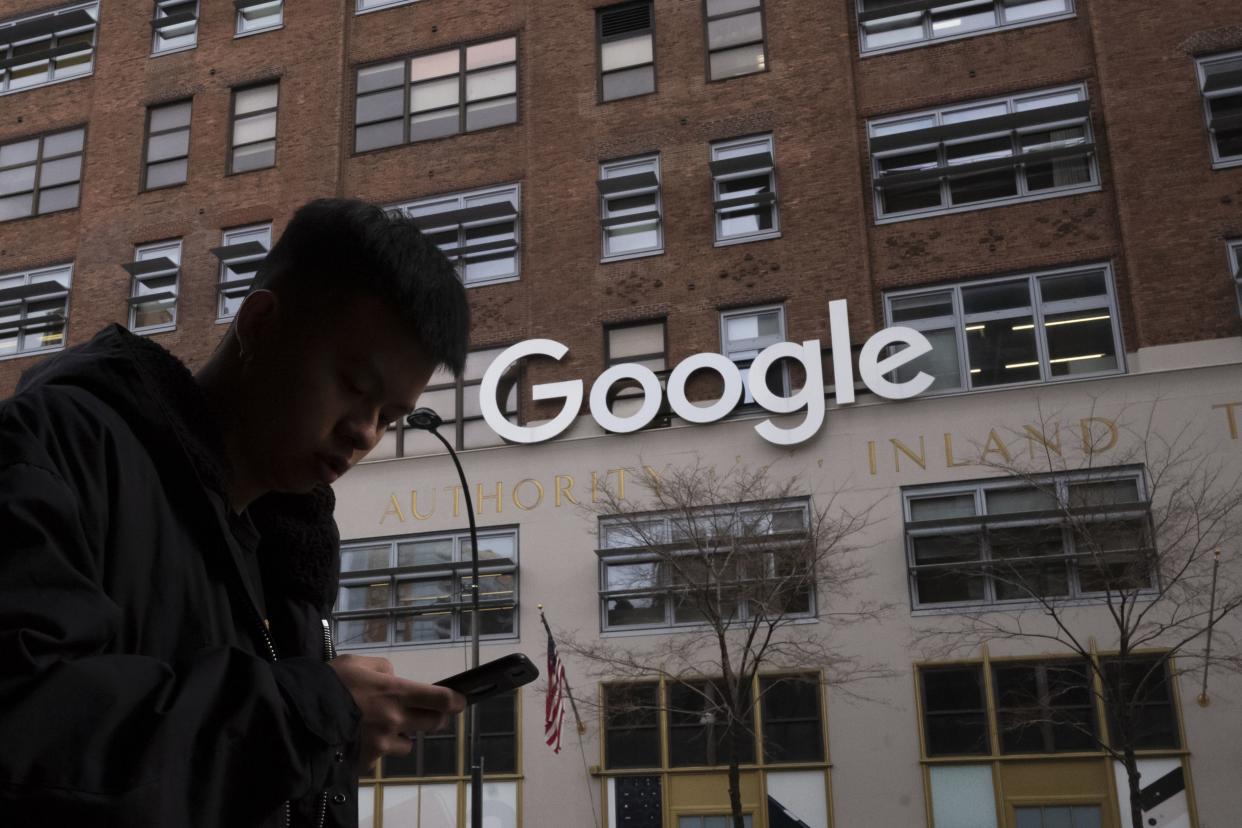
(335, 249)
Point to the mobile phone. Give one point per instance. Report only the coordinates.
(493, 678)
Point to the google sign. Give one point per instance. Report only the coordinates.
(872, 366)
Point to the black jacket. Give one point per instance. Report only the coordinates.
(139, 684)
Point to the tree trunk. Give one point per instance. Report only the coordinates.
(1132, 775)
(735, 779)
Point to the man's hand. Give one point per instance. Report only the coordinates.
(393, 708)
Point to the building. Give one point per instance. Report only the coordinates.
(1048, 190)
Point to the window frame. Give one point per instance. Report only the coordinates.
(457, 571)
(605, 167)
(380, 6)
(514, 191)
(1039, 311)
(6, 46)
(1044, 703)
(138, 276)
(146, 145)
(665, 589)
(458, 384)
(463, 103)
(940, 146)
(1218, 161)
(982, 521)
(155, 32)
(460, 734)
(721, 240)
(929, 40)
(274, 111)
(227, 263)
(600, 40)
(22, 303)
(1233, 248)
(708, 19)
(40, 159)
(239, 25)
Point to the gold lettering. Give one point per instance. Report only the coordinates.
(517, 501)
(499, 497)
(414, 505)
(1229, 415)
(1033, 436)
(654, 479)
(871, 456)
(620, 482)
(1089, 444)
(594, 487)
(456, 491)
(394, 508)
(563, 485)
(948, 453)
(995, 445)
(900, 448)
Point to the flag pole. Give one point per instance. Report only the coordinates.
(573, 704)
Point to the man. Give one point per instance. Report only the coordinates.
(168, 558)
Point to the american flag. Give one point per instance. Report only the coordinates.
(554, 705)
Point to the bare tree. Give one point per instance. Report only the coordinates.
(740, 557)
(1150, 542)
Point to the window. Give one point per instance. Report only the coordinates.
(1041, 327)
(626, 51)
(168, 145)
(258, 15)
(463, 89)
(456, 400)
(1057, 816)
(635, 342)
(744, 189)
(895, 24)
(630, 209)
(695, 723)
(744, 333)
(983, 154)
(1235, 266)
(370, 5)
(416, 590)
(153, 286)
(252, 140)
(425, 787)
(41, 175)
(34, 309)
(241, 252)
(734, 38)
(1045, 707)
(49, 47)
(1060, 536)
(478, 230)
(1220, 80)
(175, 26)
(664, 571)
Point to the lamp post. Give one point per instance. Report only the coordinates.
(425, 419)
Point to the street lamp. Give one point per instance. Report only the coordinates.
(426, 419)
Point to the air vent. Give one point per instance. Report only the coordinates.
(619, 20)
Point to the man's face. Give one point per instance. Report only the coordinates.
(327, 390)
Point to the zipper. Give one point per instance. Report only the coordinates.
(329, 653)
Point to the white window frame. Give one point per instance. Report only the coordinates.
(181, 45)
(625, 168)
(458, 570)
(1059, 483)
(725, 150)
(1218, 161)
(744, 356)
(53, 39)
(169, 249)
(261, 233)
(1039, 309)
(368, 6)
(929, 38)
(244, 26)
(630, 553)
(1234, 247)
(878, 128)
(423, 211)
(63, 275)
(40, 164)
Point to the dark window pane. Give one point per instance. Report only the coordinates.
(631, 730)
(636, 609)
(1062, 172)
(629, 82)
(967, 189)
(957, 733)
(1002, 351)
(1080, 342)
(1139, 689)
(791, 719)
